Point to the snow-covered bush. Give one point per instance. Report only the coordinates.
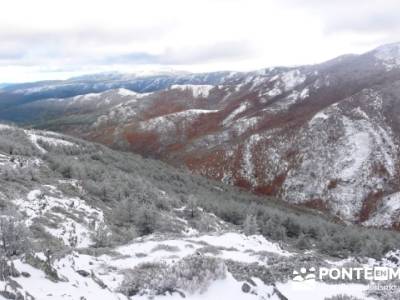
(140, 279)
(15, 142)
(342, 297)
(191, 274)
(250, 226)
(101, 237)
(44, 265)
(131, 213)
(7, 269)
(302, 242)
(13, 236)
(196, 273)
(146, 220)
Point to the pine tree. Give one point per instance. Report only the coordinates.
(101, 236)
(250, 226)
(302, 242)
(192, 206)
(145, 220)
(13, 237)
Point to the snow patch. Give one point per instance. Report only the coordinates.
(387, 213)
(125, 93)
(273, 92)
(5, 127)
(315, 290)
(51, 202)
(231, 245)
(359, 147)
(197, 90)
(292, 79)
(248, 163)
(169, 122)
(35, 137)
(389, 55)
(305, 93)
(242, 125)
(77, 287)
(228, 120)
(86, 97)
(318, 116)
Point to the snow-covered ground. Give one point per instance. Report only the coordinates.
(315, 290)
(126, 93)
(235, 246)
(97, 278)
(36, 136)
(70, 220)
(83, 275)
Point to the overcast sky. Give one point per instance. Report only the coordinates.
(56, 39)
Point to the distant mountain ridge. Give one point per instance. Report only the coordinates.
(23, 93)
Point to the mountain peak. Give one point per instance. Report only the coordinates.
(117, 75)
(389, 54)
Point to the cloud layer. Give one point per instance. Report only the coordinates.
(46, 39)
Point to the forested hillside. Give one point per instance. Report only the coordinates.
(77, 213)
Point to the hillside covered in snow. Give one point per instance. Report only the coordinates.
(323, 136)
(81, 221)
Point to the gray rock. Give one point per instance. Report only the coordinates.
(246, 288)
(83, 273)
(25, 274)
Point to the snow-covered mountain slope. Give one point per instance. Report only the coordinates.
(323, 136)
(17, 94)
(80, 221)
(92, 103)
(389, 56)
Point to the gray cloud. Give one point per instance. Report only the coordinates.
(42, 50)
(227, 33)
(24, 47)
(193, 55)
(221, 51)
(88, 34)
(10, 54)
(358, 16)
